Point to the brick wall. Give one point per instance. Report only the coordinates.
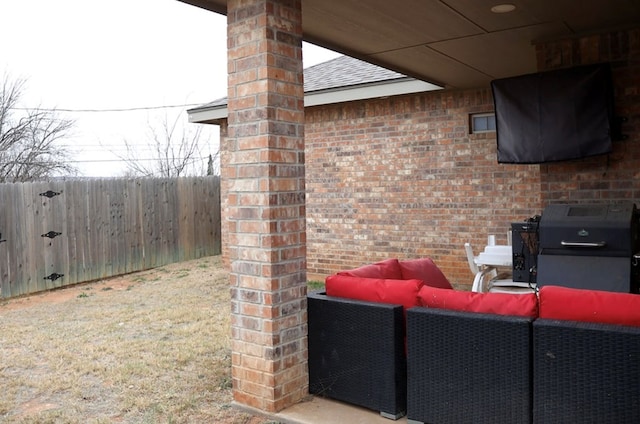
(614, 177)
(402, 176)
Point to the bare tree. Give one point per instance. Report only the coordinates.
(28, 138)
(172, 150)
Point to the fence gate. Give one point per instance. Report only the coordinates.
(33, 244)
(54, 234)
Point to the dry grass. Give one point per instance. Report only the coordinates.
(150, 347)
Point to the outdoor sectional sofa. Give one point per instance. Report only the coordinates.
(562, 356)
(357, 337)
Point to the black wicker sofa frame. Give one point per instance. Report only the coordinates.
(466, 367)
(357, 353)
(585, 373)
(481, 368)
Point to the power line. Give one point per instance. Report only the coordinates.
(193, 160)
(129, 109)
(132, 160)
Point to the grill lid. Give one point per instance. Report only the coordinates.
(602, 230)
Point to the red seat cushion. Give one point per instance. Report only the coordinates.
(426, 270)
(525, 305)
(389, 268)
(564, 303)
(382, 290)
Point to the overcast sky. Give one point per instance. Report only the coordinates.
(82, 55)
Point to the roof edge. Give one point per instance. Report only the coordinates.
(214, 114)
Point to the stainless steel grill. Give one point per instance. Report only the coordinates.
(589, 246)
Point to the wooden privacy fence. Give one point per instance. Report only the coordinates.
(65, 232)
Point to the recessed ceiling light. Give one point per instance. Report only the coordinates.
(503, 8)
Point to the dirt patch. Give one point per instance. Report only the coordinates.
(66, 294)
(149, 347)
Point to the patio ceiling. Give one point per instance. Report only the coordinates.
(452, 43)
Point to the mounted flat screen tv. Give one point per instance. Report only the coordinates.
(554, 116)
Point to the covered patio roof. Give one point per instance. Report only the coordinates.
(452, 43)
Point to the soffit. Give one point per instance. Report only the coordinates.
(453, 43)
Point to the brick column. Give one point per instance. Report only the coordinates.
(266, 203)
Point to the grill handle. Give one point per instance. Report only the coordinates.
(583, 244)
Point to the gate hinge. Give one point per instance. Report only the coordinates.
(54, 276)
(50, 193)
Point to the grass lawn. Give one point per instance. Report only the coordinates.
(149, 347)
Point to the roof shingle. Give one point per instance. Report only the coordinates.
(341, 72)
(345, 71)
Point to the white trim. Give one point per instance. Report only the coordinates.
(368, 91)
(324, 97)
(204, 116)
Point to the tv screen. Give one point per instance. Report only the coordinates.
(552, 116)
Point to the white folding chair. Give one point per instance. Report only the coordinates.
(488, 279)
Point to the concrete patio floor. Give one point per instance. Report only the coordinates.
(319, 410)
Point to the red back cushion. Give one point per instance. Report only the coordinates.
(525, 305)
(564, 303)
(389, 268)
(426, 270)
(382, 290)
